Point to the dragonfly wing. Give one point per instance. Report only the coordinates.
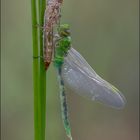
(79, 77)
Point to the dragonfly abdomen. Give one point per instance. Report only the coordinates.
(64, 107)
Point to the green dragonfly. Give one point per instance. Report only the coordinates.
(76, 74)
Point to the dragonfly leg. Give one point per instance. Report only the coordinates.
(57, 38)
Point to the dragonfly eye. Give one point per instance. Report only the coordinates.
(63, 30)
(68, 32)
(65, 33)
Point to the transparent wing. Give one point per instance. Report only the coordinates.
(79, 77)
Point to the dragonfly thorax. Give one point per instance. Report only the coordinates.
(61, 50)
(62, 45)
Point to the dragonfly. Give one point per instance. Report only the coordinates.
(76, 74)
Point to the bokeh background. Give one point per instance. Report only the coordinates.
(105, 32)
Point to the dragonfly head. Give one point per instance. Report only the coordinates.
(64, 30)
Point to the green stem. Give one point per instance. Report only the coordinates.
(39, 73)
(42, 4)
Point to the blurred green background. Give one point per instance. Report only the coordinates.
(105, 32)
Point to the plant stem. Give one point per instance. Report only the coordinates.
(39, 73)
(35, 70)
(42, 4)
